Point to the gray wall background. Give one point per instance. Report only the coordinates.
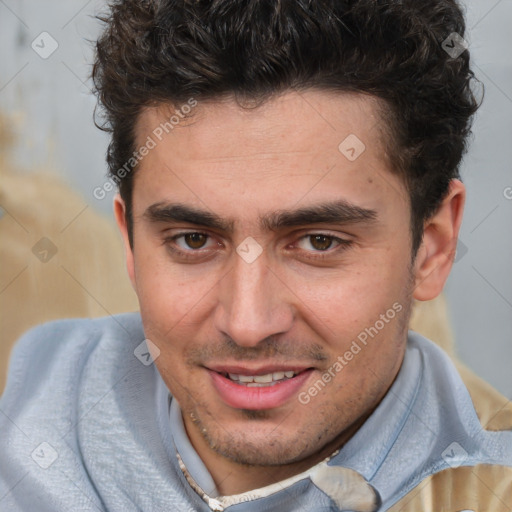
(50, 105)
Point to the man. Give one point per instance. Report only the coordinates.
(288, 176)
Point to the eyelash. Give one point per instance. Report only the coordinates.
(343, 244)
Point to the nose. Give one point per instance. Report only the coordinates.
(254, 303)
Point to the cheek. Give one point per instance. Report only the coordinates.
(353, 297)
(171, 295)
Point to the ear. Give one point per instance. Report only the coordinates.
(120, 214)
(435, 256)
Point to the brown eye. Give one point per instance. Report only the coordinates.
(320, 242)
(195, 240)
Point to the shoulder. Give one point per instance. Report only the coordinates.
(49, 352)
(58, 373)
(469, 460)
(452, 381)
(53, 362)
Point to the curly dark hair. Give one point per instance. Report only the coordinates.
(168, 51)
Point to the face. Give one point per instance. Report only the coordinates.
(273, 270)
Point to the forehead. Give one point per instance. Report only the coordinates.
(313, 143)
(298, 121)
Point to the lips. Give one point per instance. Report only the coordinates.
(258, 389)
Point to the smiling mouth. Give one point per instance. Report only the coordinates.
(258, 381)
(264, 388)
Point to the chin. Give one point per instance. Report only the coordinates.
(253, 441)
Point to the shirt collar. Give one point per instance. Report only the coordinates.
(367, 450)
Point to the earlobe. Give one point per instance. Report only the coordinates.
(437, 252)
(120, 215)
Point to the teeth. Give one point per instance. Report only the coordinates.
(258, 380)
(262, 379)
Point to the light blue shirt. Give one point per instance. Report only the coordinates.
(85, 425)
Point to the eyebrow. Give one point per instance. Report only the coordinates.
(334, 212)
